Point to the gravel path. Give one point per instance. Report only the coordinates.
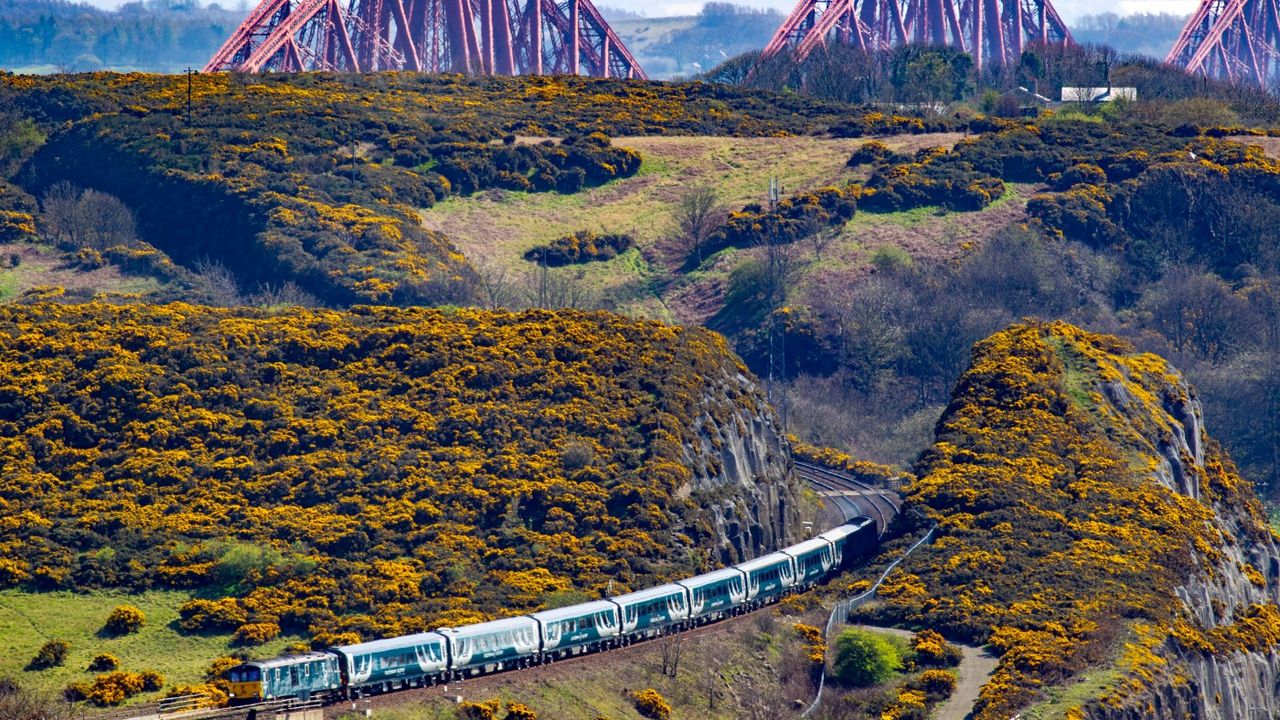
(976, 667)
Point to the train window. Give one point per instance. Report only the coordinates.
(293, 674)
(244, 675)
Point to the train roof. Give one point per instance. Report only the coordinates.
(493, 626)
(763, 561)
(394, 643)
(290, 659)
(652, 593)
(843, 531)
(711, 577)
(808, 546)
(573, 611)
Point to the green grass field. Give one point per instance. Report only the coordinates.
(28, 620)
(494, 229)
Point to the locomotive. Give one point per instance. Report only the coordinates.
(429, 658)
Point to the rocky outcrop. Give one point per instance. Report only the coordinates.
(1219, 683)
(742, 474)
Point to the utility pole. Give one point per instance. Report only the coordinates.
(189, 72)
(776, 298)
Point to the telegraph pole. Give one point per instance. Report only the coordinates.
(189, 72)
(776, 298)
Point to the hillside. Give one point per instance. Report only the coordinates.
(1091, 530)
(378, 471)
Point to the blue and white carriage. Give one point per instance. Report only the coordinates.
(491, 646)
(768, 577)
(713, 595)
(395, 662)
(648, 612)
(569, 630)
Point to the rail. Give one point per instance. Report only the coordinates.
(883, 505)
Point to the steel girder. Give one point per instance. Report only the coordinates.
(994, 32)
(482, 37)
(1234, 40)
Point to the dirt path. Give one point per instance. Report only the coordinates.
(976, 667)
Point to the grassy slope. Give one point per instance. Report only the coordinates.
(27, 620)
(496, 228)
(42, 265)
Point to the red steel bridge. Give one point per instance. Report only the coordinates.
(477, 37)
(1234, 40)
(993, 32)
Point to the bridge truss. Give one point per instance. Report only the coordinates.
(1234, 40)
(479, 37)
(993, 32)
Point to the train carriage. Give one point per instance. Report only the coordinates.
(492, 645)
(814, 559)
(713, 594)
(301, 676)
(567, 630)
(647, 612)
(768, 577)
(851, 540)
(394, 662)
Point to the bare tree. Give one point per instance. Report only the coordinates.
(700, 212)
(287, 294)
(217, 283)
(551, 289)
(19, 703)
(87, 218)
(497, 287)
(672, 650)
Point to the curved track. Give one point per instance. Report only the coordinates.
(852, 496)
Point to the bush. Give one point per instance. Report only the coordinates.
(114, 688)
(869, 153)
(487, 710)
(76, 691)
(864, 659)
(51, 654)
(211, 695)
(211, 615)
(651, 704)
(152, 680)
(517, 711)
(103, 662)
(581, 247)
(255, 633)
(932, 649)
(937, 685)
(124, 620)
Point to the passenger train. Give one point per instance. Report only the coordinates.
(429, 658)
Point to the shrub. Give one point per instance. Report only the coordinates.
(487, 710)
(210, 695)
(103, 662)
(651, 704)
(255, 633)
(869, 153)
(887, 258)
(936, 684)
(211, 615)
(114, 688)
(152, 680)
(219, 667)
(864, 658)
(517, 711)
(52, 654)
(124, 620)
(932, 649)
(581, 247)
(76, 691)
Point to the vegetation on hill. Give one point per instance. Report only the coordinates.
(1055, 537)
(374, 472)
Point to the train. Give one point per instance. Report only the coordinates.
(448, 654)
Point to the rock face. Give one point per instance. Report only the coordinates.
(1086, 521)
(1227, 684)
(742, 476)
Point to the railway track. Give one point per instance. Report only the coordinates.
(852, 496)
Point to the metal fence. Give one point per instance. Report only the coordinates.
(840, 613)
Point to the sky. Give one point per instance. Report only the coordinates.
(1069, 9)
